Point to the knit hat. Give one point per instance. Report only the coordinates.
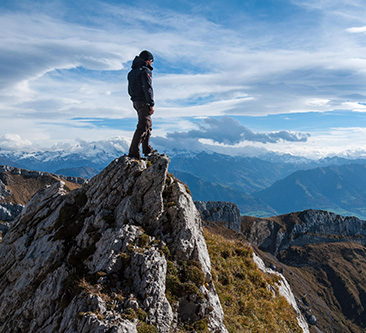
(146, 55)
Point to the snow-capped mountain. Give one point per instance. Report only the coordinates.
(95, 154)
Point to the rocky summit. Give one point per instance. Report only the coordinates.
(123, 253)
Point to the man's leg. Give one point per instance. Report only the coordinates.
(143, 131)
(146, 148)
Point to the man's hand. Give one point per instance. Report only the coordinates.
(151, 110)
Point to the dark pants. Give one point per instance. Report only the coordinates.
(143, 131)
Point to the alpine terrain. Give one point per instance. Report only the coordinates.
(126, 253)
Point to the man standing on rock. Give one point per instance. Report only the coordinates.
(141, 91)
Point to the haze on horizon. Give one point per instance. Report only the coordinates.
(283, 75)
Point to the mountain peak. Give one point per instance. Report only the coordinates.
(124, 251)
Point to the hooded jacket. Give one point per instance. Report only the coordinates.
(140, 82)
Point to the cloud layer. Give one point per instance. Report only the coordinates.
(229, 131)
(68, 61)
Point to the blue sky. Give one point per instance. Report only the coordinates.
(282, 75)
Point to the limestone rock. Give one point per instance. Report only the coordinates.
(220, 211)
(284, 290)
(17, 186)
(307, 227)
(124, 250)
(9, 210)
(31, 173)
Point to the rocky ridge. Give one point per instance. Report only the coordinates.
(17, 186)
(220, 211)
(323, 257)
(32, 173)
(122, 252)
(298, 229)
(284, 290)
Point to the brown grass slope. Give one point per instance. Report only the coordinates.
(23, 187)
(249, 304)
(328, 278)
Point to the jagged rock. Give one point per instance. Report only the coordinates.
(220, 211)
(322, 256)
(298, 229)
(285, 290)
(96, 259)
(17, 186)
(8, 211)
(311, 319)
(4, 227)
(31, 173)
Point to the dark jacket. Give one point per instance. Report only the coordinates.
(140, 82)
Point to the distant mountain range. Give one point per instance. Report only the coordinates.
(206, 191)
(339, 185)
(261, 186)
(340, 189)
(96, 155)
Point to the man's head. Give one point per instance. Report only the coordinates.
(147, 56)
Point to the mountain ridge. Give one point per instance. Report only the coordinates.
(213, 176)
(340, 189)
(323, 256)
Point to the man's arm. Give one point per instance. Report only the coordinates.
(147, 88)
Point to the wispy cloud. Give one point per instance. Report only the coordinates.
(67, 61)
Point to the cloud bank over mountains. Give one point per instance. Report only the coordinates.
(229, 131)
(67, 62)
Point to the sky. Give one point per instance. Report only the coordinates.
(287, 76)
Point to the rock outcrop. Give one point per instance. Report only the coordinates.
(323, 257)
(220, 211)
(298, 229)
(285, 290)
(9, 211)
(32, 173)
(17, 186)
(122, 252)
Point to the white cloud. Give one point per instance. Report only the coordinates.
(227, 131)
(357, 30)
(13, 141)
(53, 70)
(353, 106)
(317, 102)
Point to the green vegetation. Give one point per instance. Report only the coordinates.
(248, 304)
(146, 328)
(201, 325)
(182, 279)
(143, 240)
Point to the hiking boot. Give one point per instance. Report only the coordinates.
(136, 157)
(152, 153)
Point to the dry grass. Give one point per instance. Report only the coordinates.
(24, 187)
(249, 305)
(94, 289)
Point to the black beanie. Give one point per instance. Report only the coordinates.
(146, 55)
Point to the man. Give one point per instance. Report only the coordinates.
(142, 95)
